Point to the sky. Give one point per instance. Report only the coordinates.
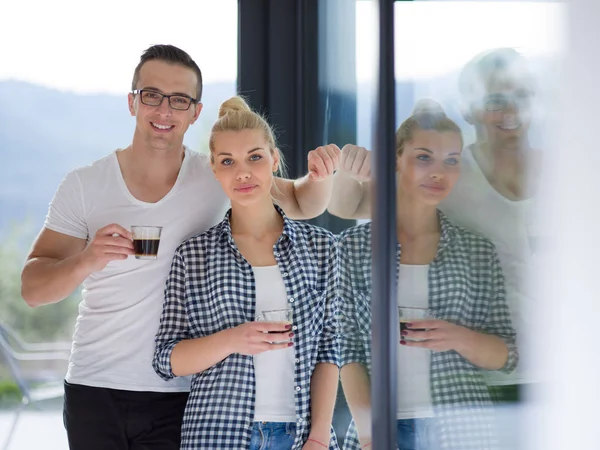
(435, 37)
(94, 47)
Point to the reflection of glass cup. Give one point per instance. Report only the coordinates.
(278, 316)
(409, 314)
(145, 241)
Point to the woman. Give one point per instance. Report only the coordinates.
(252, 388)
(442, 400)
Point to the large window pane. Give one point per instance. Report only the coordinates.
(64, 81)
(477, 150)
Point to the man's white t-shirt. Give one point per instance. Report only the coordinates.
(475, 205)
(113, 342)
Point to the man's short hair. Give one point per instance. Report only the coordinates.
(476, 74)
(172, 55)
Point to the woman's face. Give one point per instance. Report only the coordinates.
(244, 163)
(429, 165)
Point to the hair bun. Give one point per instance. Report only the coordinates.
(233, 104)
(428, 106)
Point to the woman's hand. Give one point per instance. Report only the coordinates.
(485, 351)
(252, 338)
(438, 335)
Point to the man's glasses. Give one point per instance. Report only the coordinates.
(501, 102)
(176, 101)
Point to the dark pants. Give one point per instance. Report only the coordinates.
(102, 419)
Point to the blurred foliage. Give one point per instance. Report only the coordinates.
(47, 323)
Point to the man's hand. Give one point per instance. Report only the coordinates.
(111, 243)
(356, 161)
(323, 162)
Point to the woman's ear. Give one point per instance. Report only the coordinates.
(275, 154)
(398, 162)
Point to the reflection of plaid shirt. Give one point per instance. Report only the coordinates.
(211, 288)
(466, 287)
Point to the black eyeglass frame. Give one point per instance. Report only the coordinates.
(140, 92)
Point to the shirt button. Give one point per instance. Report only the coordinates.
(294, 328)
(292, 300)
(297, 361)
(300, 420)
(297, 388)
(277, 254)
(285, 274)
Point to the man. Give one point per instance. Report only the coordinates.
(113, 398)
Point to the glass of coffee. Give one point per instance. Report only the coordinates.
(145, 241)
(283, 316)
(409, 314)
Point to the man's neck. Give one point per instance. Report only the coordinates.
(494, 159)
(144, 164)
(511, 171)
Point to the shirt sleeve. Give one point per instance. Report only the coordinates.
(66, 213)
(174, 325)
(498, 320)
(352, 347)
(329, 345)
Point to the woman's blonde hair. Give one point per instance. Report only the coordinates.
(427, 115)
(236, 115)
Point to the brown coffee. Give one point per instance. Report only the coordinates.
(146, 247)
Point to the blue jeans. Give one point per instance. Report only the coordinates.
(416, 434)
(273, 436)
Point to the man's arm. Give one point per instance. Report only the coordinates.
(351, 195)
(308, 197)
(58, 263)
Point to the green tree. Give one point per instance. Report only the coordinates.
(42, 324)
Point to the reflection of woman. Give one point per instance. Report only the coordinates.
(244, 394)
(442, 400)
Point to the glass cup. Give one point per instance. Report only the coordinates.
(278, 316)
(409, 314)
(145, 241)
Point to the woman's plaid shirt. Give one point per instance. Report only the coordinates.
(211, 288)
(466, 287)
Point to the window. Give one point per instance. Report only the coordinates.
(63, 104)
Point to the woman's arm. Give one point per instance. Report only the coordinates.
(357, 389)
(178, 355)
(491, 348)
(354, 344)
(174, 326)
(323, 392)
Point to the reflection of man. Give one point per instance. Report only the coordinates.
(498, 177)
(113, 398)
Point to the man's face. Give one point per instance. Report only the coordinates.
(503, 113)
(162, 127)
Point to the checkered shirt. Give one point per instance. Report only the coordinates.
(211, 288)
(466, 287)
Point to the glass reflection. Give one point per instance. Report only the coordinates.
(443, 400)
